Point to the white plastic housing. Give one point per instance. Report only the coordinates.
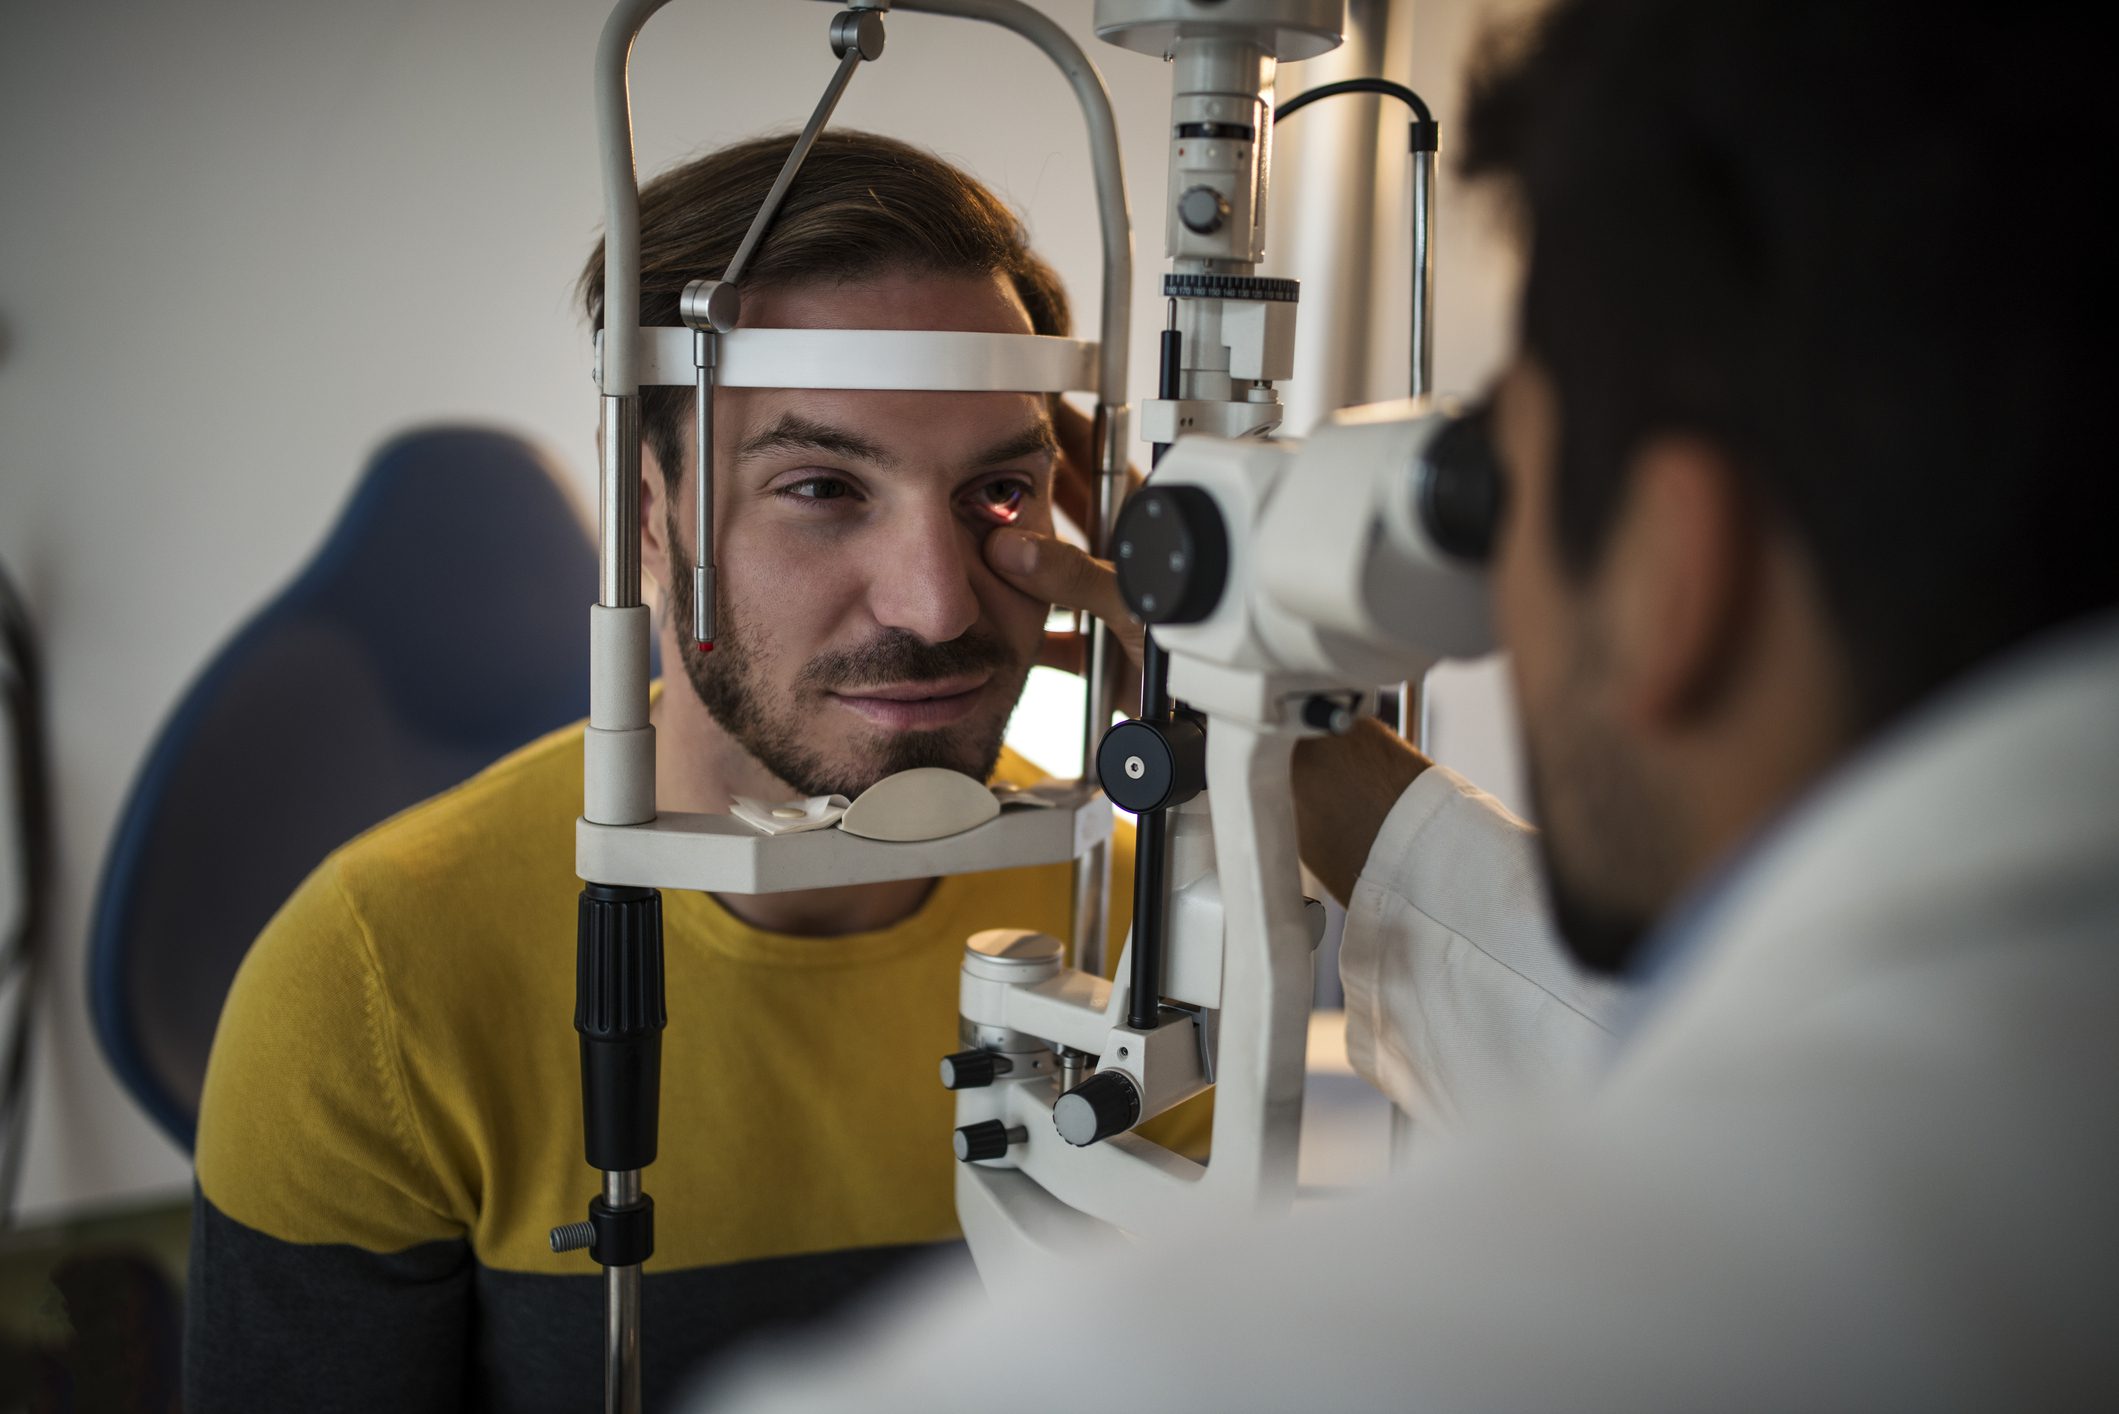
(1291, 29)
(1330, 572)
(1348, 578)
(908, 360)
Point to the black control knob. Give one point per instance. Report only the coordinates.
(1325, 712)
(1105, 1104)
(619, 1010)
(1203, 210)
(1144, 765)
(1172, 549)
(988, 1139)
(968, 1070)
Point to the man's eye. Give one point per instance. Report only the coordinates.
(1001, 501)
(817, 488)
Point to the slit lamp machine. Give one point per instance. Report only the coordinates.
(1280, 586)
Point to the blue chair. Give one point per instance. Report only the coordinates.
(442, 624)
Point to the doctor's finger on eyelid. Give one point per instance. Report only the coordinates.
(1065, 575)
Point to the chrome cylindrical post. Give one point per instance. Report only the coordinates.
(621, 1345)
(1413, 696)
(618, 500)
(1423, 273)
(705, 350)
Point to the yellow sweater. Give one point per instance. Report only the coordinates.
(392, 1116)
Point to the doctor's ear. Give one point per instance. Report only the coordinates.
(1682, 569)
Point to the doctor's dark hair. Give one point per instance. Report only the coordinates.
(1852, 246)
(862, 204)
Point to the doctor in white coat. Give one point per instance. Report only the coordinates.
(1809, 581)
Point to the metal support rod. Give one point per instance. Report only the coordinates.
(1151, 917)
(1151, 839)
(1413, 696)
(1151, 863)
(1414, 713)
(1425, 138)
(833, 92)
(861, 41)
(618, 502)
(621, 1306)
(1423, 363)
(706, 350)
(1170, 377)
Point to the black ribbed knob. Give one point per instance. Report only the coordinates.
(988, 1139)
(1103, 1105)
(968, 1070)
(618, 991)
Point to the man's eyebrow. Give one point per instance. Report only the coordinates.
(795, 433)
(1036, 439)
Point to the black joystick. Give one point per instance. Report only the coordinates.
(1105, 1104)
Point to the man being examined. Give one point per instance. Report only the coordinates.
(392, 1117)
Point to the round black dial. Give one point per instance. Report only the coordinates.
(1172, 552)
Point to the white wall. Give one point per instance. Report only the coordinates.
(245, 242)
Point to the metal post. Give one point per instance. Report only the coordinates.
(705, 355)
(621, 1332)
(1423, 272)
(618, 500)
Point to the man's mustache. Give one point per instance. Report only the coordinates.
(898, 656)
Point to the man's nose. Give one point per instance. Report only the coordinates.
(921, 578)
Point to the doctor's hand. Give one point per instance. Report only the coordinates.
(1343, 786)
(1064, 575)
(1069, 577)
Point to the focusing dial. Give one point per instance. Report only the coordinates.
(1146, 765)
(1172, 551)
(1105, 1104)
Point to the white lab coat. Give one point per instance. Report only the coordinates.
(1860, 1151)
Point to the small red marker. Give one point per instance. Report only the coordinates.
(705, 647)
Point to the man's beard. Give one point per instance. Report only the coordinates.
(729, 682)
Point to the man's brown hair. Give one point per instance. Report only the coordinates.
(863, 203)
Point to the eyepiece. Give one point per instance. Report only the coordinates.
(1460, 491)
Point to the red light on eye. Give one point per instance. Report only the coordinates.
(1002, 502)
